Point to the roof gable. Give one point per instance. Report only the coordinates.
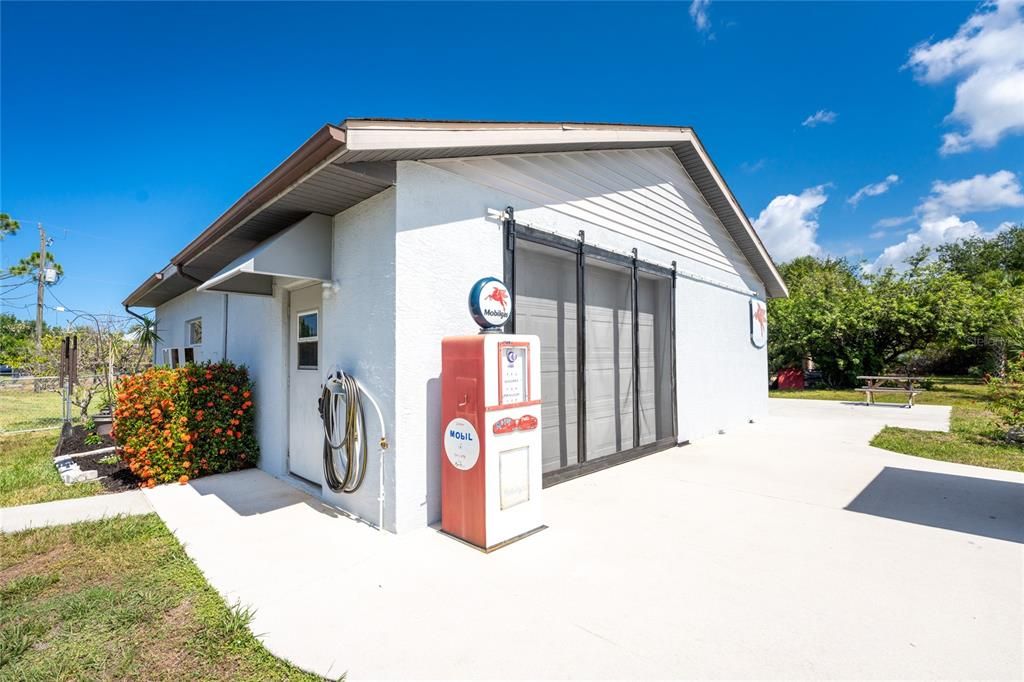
(342, 165)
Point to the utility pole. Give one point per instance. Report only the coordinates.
(40, 286)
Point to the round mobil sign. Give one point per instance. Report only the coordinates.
(490, 303)
(461, 444)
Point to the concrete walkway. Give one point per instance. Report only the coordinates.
(130, 503)
(788, 549)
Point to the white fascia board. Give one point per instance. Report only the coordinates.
(381, 137)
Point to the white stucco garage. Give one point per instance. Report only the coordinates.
(790, 550)
(623, 247)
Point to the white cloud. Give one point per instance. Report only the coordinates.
(1002, 189)
(819, 117)
(986, 58)
(894, 222)
(939, 214)
(789, 224)
(699, 14)
(873, 190)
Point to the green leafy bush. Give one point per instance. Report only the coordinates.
(1007, 395)
(177, 424)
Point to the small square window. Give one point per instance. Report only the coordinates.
(308, 325)
(308, 351)
(194, 331)
(307, 340)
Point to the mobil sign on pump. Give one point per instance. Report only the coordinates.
(491, 438)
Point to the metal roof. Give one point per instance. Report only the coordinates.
(340, 166)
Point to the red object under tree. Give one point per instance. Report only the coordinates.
(791, 379)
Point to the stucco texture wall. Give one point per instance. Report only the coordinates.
(359, 337)
(172, 316)
(444, 243)
(721, 377)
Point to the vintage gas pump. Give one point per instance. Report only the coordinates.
(490, 392)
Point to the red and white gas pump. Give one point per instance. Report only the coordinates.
(490, 393)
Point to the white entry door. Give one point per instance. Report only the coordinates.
(305, 430)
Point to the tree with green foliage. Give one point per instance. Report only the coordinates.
(993, 260)
(16, 341)
(146, 337)
(8, 226)
(852, 324)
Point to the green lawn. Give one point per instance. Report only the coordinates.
(974, 436)
(27, 474)
(941, 391)
(119, 600)
(23, 410)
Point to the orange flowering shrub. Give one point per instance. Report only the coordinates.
(178, 424)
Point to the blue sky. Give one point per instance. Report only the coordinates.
(127, 128)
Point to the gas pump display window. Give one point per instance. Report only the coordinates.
(307, 340)
(514, 377)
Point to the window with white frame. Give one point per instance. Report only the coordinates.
(308, 340)
(194, 332)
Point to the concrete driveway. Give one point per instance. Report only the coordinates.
(788, 549)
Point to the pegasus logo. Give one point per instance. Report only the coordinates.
(499, 296)
(761, 317)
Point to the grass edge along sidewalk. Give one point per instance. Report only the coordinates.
(120, 599)
(974, 436)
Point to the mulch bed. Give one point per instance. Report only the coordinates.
(115, 477)
(73, 440)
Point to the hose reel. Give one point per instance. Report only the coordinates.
(341, 410)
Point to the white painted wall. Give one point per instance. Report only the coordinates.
(446, 241)
(172, 316)
(721, 378)
(359, 336)
(443, 244)
(257, 338)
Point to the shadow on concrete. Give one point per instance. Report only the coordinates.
(861, 403)
(252, 492)
(978, 506)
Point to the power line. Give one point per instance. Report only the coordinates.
(69, 309)
(92, 235)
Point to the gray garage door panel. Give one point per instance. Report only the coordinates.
(546, 306)
(609, 359)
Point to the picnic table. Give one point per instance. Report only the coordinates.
(890, 384)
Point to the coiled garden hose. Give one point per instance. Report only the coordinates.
(341, 410)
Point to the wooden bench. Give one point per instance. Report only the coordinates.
(874, 385)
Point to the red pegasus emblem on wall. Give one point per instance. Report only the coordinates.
(499, 296)
(760, 316)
